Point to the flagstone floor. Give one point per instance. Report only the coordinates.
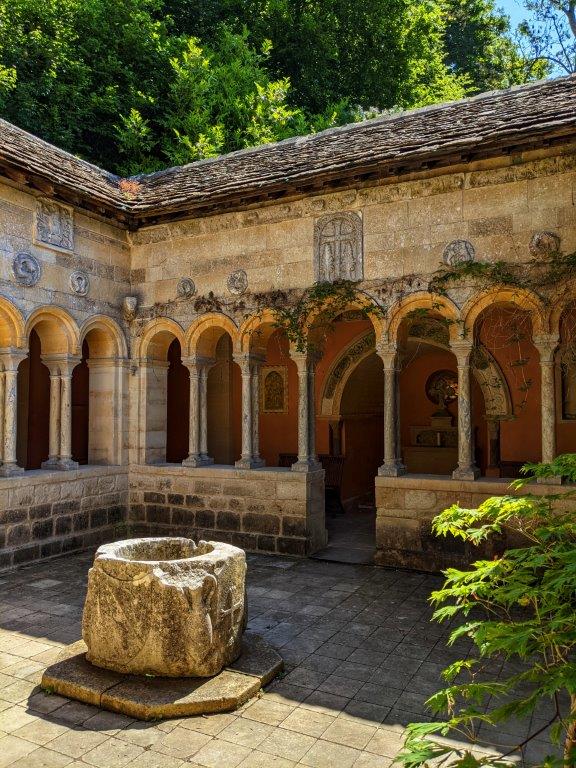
(361, 658)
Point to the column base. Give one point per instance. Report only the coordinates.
(197, 460)
(306, 465)
(251, 463)
(60, 465)
(470, 473)
(10, 470)
(392, 470)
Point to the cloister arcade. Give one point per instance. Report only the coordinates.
(229, 395)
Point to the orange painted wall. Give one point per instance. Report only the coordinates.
(565, 429)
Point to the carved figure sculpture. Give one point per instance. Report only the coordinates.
(26, 269)
(165, 606)
(80, 283)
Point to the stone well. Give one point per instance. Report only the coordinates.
(165, 606)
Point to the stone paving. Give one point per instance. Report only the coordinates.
(361, 658)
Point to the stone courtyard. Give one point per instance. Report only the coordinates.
(361, 659)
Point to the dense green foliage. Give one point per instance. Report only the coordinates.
(519, 609)
(139, 84)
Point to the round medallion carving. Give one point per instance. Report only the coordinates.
(185, 287)
(238, 282)
(544, 243)
(26, 269)
(442, 388)
(80, 283)
(458, 252)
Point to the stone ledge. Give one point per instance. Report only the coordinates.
(151, 698)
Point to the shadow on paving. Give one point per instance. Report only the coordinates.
(361, 659)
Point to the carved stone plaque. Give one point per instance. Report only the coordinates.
(274, 388)
(80, 283)
(54, 225)
(238, 282)
(26, 269)
(458, 252)
(185, 287)
(338, 251)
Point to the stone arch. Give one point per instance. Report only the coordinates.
(340, 371)
(364, 303)
(255, 332)
(57, 330)
(12, 327)
(106, 340)
(156, 338)
(435, 306)
(559, 303)
(204, 334)
(520, 297)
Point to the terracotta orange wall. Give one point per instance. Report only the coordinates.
(520, 438)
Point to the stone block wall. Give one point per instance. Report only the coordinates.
(43, 514)
(268, 510)
(405, 507)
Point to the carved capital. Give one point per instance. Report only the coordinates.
(462, 350)
(546, 346)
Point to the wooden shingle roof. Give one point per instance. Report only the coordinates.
(524, 117)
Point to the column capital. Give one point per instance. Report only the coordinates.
(248, 360)
(546, 344)
(388, 353)
(11, 357)
(462, 349)
(61, 365)
(198, 362)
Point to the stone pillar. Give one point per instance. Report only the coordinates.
(104, 411)
(307, 459)
(9, 398)
(198, 416)
(466, 469)
(546, 347)
(250, 370)
(392, 466)
(60, 440)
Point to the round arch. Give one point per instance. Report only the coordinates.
(423, 301)
(156, 338)
(107, 338)
(204, 334)
(362, 303)
(12, 327)
(57, 330)
(520, 297)
(255, 332)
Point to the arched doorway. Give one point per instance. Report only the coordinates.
(177, 406)
(33, 420)
(224, 405)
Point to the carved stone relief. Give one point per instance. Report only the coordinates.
(80, 283)
(238, 282)
(274, 388)
(544, 243)
(458, 252)
(186, 288)
(338, 250)
(26, 269)
(54, 225)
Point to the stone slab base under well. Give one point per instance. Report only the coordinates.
(152, 698)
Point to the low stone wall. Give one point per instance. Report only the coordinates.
(262, 510)
(48, 513)
(405, 507)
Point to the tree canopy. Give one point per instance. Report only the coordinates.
(140, 84)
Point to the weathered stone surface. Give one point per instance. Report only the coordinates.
(165, 606)
(148, 698)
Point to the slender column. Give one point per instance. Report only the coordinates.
(307, 460)
(546, 347)
(9, 393)
(204, 369)
(392, 466)
(60, 450)
(255, 383)
(195, 459)
(466, 469)
(249, 458)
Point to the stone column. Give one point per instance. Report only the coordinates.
(249, 368)
(9, 392)
(307, 459)
(60, 440)
(198, 430)
(546, 347)
(466, 469)
(392, 466)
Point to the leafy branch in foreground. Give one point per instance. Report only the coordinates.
(519, 609)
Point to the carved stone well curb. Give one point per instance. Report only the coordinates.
(165, 606)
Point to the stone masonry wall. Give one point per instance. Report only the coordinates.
(43, 514)
(269, 510)
(405, 507)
